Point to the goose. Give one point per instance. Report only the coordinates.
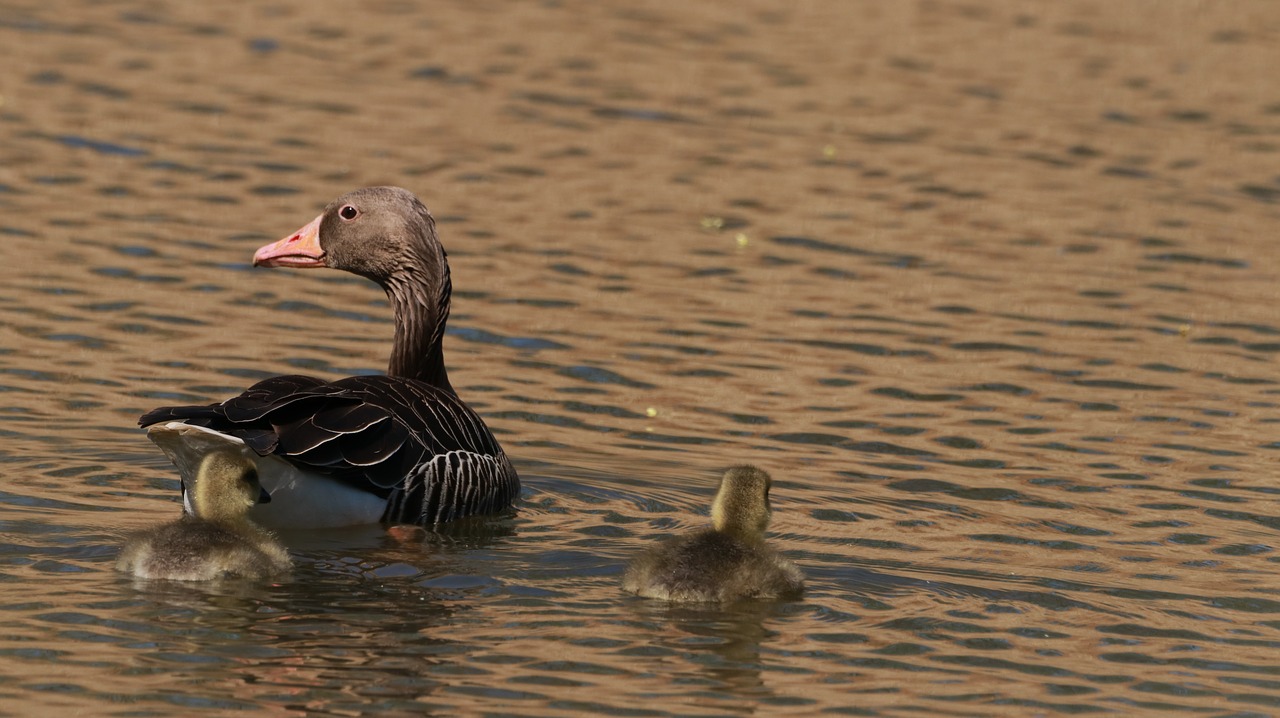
(214, 538)
(727, 562)
(399, 448)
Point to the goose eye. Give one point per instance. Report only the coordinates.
(348, 212)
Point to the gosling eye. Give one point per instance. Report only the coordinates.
(348, 212)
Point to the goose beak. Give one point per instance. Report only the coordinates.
(263, 496)
(300, 249)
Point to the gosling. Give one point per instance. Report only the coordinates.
(725, 563)
(214, 538)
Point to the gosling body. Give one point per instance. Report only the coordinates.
(725, 563)
(214, 537)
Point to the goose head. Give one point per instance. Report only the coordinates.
(387, 235)
(225, 487)
(380, 233)
(741, 506)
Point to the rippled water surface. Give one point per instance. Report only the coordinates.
(989, 287)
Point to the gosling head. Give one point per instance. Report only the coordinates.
(741, 507)
(225, 487)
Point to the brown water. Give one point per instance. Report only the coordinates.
(989, 287)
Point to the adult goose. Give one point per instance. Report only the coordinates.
(401, 448)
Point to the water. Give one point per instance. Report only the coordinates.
(989, 288)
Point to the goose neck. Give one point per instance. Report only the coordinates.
(420, 316)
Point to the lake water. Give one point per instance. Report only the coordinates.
(990, 288)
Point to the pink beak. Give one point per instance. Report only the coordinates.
(300, 249)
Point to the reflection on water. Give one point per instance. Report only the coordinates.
(988, 288)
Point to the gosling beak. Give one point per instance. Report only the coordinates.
(263, 496)
(300, 249)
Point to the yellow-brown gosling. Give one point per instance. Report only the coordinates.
(214, 538)
(727, 562)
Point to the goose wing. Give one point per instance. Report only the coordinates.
(420, 447)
